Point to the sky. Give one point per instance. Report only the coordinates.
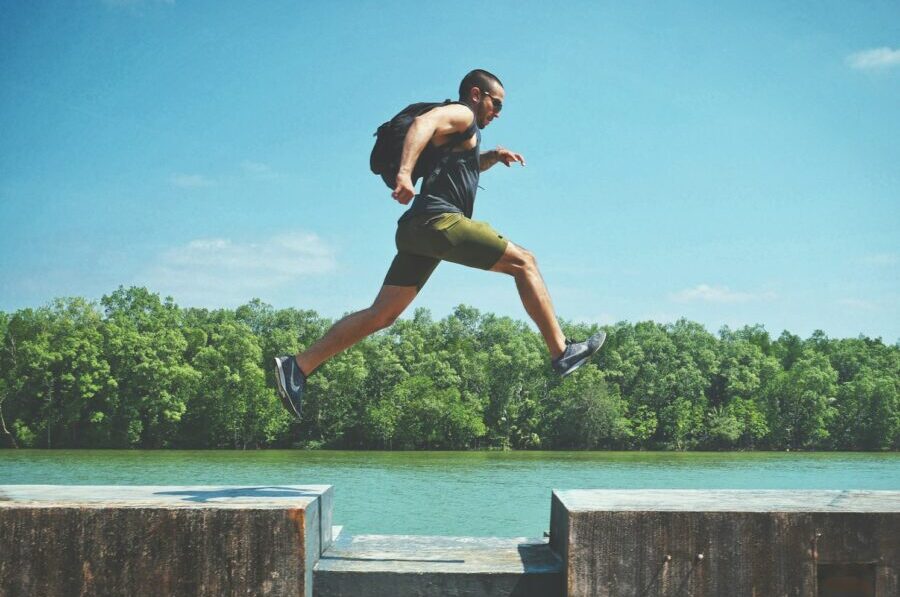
(733, 163)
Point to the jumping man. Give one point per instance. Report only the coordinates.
(437, 227)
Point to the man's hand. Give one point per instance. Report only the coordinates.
(404, 190)
(501, 154)
(508, 157)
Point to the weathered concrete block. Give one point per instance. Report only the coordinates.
(735, 543)
(127, 540)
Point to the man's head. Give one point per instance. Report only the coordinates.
(483, 92)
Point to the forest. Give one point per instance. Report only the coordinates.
(135, 370)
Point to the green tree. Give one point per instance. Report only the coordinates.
(515, 364)
(28, 389)
(142, 372)
(737, 419)
(416, 414)
(233, 406)
(787, 349)
(59, 382)
(146, 349)
(332, 405)
(583, 413)
(6, 436)
(652, 372)
(868, 411)
(723, 426)
(799, 402)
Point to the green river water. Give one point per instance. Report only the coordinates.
(453, 493)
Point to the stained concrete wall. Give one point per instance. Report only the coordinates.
(65, 540)
(735, 543)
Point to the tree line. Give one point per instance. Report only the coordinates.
(138, 371)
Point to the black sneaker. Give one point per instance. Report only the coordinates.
(290, 382)
(578, 353)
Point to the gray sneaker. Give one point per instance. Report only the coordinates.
(578, 353)
(290, 382)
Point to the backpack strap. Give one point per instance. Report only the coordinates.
(442, 154)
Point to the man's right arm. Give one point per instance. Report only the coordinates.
(435, 124)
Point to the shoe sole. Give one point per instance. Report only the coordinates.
(585, 359)
(281, 385)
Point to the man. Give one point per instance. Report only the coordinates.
(438, 228)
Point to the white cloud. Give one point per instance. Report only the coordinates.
(217, 271)
(133, 3)
(876, 58)
(858, 304)
(603, 318)
(659, 317)
(719, 294)
(258, 170)
(191, 181)
(882, 259)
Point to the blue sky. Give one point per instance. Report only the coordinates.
(729, 162)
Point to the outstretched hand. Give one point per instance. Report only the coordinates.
(508, 157)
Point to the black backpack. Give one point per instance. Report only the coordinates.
(385, 158)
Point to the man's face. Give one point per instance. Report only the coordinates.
(489, 105)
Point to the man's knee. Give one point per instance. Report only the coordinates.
(387, 308)
(530, 259)
(384, 318)
(517, 261)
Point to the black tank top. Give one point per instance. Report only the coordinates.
(451, 183)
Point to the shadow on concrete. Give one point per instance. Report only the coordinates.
(542, 572)
(201, 496)
(538, 558)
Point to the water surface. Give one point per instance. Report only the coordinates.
(453, 493)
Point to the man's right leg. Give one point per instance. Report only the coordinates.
(406, 276)
(291, 371)
(389, 304)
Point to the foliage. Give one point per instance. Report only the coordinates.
(135, 370)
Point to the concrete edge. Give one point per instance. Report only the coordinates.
(326, 512)
(830, 501)
(559, 533)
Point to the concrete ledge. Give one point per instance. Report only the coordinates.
(129, 540)
(425, 566)
(687, 542)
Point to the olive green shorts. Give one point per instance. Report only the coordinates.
(426, 240)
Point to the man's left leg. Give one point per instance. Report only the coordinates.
(522, 266)
(476, 244)
(566, 355)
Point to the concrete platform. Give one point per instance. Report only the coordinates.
(139, 540)
(719, 542)
(411, 565)
(728, 500)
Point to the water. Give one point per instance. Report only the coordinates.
(503, 494)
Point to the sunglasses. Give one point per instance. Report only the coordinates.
(498, 104)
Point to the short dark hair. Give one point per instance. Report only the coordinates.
(477, 78)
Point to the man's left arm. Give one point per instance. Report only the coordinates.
(501, 154)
